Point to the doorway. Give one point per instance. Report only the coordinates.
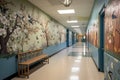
(101, 41)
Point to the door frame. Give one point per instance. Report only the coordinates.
(101, 40)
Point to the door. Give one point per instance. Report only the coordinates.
(101, 41)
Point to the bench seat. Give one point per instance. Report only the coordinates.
(33, 60)
(25, 59)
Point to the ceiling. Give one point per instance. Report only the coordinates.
(82, 12)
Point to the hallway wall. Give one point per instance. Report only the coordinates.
(111, 57)
(24, 27)
(9, 65)
(94, 53)
(112, 40)
(93, 29)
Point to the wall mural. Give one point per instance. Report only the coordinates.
(93, 34)
(112, 40)
(24, 27)
(112, 26)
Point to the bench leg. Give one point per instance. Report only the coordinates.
(23, 70)
(47, 61)
(19, 68)
(28, 71)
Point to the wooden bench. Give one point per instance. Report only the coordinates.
(25, 59)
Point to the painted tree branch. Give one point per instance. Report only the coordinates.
(46, 33)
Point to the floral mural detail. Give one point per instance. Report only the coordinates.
(112, 27)
(8, 23)
(45, 31)
(112, 40)
(12, 24)
(93, 34)
(62, 34)
(24, 27)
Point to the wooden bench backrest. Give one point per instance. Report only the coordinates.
(24, 56)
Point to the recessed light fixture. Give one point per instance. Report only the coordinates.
(75, 69)
(74, 77)
(67, 11)
(75, 26)
(72, 21)
(77, 61)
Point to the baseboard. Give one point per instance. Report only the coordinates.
(57, 52)
(10, 77)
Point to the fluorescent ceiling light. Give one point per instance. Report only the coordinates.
(75, 26)
(77, 61)
(79, 57)
(67, 11)
(75, 69)
(74, 77)
(72, 21)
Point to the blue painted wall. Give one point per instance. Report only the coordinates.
(94, 53)
(8, 66)
(55, 48)
(112, 66)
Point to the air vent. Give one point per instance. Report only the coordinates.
(83, 24)
(54, 2)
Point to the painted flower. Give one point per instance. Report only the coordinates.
(110, 41)
(25, 30)
(2, 32)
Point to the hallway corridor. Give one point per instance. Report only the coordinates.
(73, 63)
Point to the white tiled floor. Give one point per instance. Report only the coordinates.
(64, 67)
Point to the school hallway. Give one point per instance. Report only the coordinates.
(59, 39)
